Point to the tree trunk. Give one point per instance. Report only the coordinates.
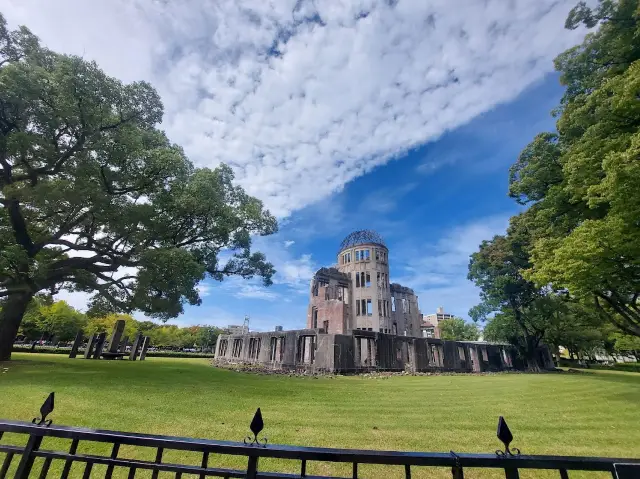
(532, 365)
(13, 309)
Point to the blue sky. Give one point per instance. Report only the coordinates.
(402, 117)
(433, 206)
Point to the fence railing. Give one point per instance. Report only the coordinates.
(30, 460)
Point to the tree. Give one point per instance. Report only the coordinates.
(508, 300)
(206, 337)
(105, 324)
(583, 182)
(456, 329)
(627, 344)
(32, 320)
(60, 320)
(94, 197)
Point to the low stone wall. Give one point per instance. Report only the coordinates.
(312, 350)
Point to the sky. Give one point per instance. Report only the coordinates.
(393, 115)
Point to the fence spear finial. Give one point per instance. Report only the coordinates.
(45, 410)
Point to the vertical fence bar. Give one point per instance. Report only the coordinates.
(354, 473)
(205, 461)
(303, 468)
(132, 473)
(407, 471)
(457, 472)
(114, 453)
(564, 474)
(26, 462)
(154, 474)
(252, 467)
(87, 470)
(67, 463)
(45, 468)
(5, 465)
(511, 473)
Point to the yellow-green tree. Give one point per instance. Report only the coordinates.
(106, 323)
(60, 320)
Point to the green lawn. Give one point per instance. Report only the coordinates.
(596, 413)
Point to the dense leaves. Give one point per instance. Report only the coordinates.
(56, 322)
(570, 264)
(456, 329)
(94, 197)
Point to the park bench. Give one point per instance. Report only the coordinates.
(35, 461)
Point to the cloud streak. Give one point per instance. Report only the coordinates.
(302, 96)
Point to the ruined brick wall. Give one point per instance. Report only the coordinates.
(405, 313)
(329, 299)
(313, 351)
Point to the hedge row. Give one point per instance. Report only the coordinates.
(628, 367)
(65, 350)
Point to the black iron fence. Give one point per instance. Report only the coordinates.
(30, 460)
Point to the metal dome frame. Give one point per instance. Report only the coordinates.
(362, 237)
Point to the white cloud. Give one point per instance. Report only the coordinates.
(203, 290)
(438, 272)
(296, 273)
(247, 290)
(288, 243)
(302, 96)
(77, 299)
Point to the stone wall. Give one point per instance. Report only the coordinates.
(315, 351)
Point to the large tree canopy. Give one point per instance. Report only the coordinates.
(94, 197)
(582, 182)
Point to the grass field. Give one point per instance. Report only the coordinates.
(596, 413)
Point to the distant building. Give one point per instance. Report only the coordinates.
(431, 323)
(236, 329)
(427, 329)
(278, 328)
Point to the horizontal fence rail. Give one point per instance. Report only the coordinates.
(22, 459)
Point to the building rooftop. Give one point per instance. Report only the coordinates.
(362, 237)
(396, 287)
(331, 273)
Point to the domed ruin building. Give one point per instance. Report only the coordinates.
(357, 294)
(358, 320)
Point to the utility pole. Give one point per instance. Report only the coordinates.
(245, 325)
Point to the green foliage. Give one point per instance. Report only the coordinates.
(513, 307)
(106, 323)
(46, 320)
(585, 226)
(575, 253)
(628, 367)
(66, 350)
(32, 321)
(61, 321)
(456, 329)
(626, 344)
(604, 53)
(83, 167)
(206, 337)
